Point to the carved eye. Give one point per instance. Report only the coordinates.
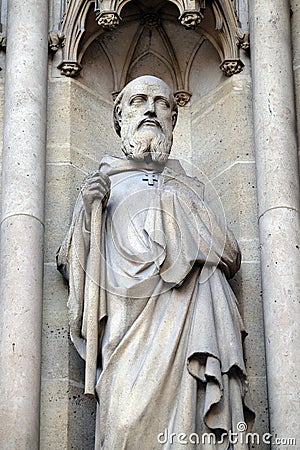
(137, 100)
(163, 103)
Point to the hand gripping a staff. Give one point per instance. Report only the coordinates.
(95, 193)
(95, 186)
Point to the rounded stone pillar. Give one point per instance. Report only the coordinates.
(295, 9)
(22, 227)
(278, 197)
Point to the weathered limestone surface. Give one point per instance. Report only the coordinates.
(295, 21)
(278, 196)
(22, 224)
(1, 128)
(20, 333)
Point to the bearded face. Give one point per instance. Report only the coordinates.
(146, 140)
(146, 115)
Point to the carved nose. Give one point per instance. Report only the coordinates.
(150, 108)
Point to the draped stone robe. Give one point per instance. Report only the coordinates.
(170, 357)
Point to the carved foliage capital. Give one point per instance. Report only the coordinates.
(182, 97)
(108, 20)
(191, 19)
(231, 66)
(56, 40)
(243, 39)
(69, 68)
(2, 41)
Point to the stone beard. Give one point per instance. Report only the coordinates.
(138, 142)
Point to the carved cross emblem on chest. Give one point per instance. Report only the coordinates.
(151, 178)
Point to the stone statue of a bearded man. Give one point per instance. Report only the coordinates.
(151, 310)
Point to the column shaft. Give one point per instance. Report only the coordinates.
(278, 196)
(295, 7)
(22, 228)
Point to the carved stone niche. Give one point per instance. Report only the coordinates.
(84, 20)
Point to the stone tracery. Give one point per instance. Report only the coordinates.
(215, 20)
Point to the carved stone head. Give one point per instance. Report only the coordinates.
(145, 114)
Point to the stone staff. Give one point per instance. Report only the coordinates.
(94, 292)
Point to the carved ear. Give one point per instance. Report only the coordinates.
(117, 117)
(119, 114)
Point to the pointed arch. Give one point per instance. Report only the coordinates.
(78, 28)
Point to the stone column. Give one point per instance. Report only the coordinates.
(295, 8)
(278, 196)
(22, 225)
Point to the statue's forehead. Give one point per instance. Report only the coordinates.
(148, 87)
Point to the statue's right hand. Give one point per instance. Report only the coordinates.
(95, 186)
